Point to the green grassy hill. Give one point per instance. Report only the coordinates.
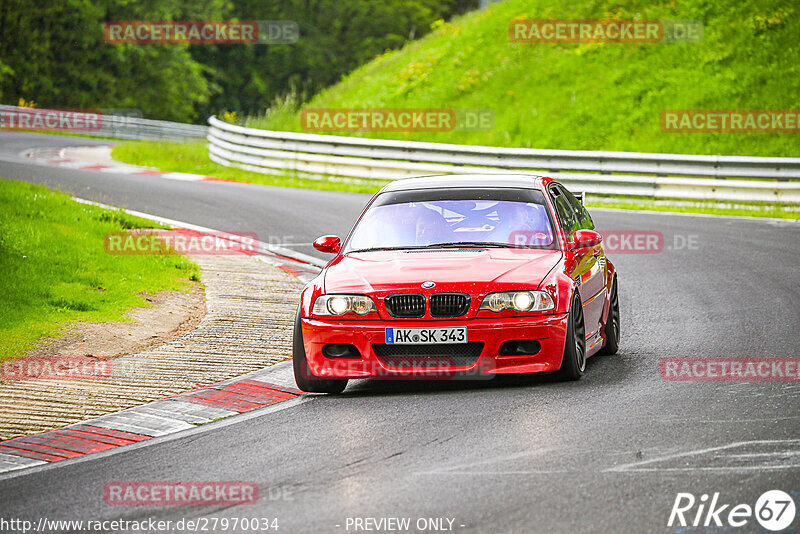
(597, 96)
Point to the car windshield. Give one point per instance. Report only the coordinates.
(434, 223)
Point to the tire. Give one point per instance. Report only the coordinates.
(612, 323)
(573, 363)
(302, 373)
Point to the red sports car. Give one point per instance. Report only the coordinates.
(450, 276)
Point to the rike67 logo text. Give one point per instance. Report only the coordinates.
(774, 510)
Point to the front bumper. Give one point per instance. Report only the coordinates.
(548, 330)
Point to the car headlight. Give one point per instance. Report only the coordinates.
(342, 304)
(522, 301)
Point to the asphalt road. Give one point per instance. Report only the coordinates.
(606, 454)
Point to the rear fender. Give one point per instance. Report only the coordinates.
(611, 273)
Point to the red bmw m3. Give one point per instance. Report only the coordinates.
(459, 275)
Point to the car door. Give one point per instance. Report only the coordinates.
(588, 269)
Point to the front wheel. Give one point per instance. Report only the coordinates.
(573, 363)
(302, 373)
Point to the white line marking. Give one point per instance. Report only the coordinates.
(12, 462)
(637, 465)
(462, 468)
(182, 176)
(728, 468)
(139, 422)
(498, 473)
(786, 454)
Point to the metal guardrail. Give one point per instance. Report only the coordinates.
(113, 126)
(606, 173)
(136, 128)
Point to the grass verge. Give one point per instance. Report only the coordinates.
(192, 157)
(54, 270)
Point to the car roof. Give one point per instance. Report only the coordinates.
(468, 181)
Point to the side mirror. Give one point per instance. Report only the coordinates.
(330, 244)
(586, 238)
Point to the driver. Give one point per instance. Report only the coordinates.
(513, 220)
(522, 224)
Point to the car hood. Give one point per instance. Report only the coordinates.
(471, 270)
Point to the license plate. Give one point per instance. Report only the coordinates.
(426, 336)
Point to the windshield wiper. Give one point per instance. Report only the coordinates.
(481, 244)
(454, 244)
(376, 249)
(468, 244)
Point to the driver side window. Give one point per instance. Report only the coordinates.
(565, 213)
(585, 221)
